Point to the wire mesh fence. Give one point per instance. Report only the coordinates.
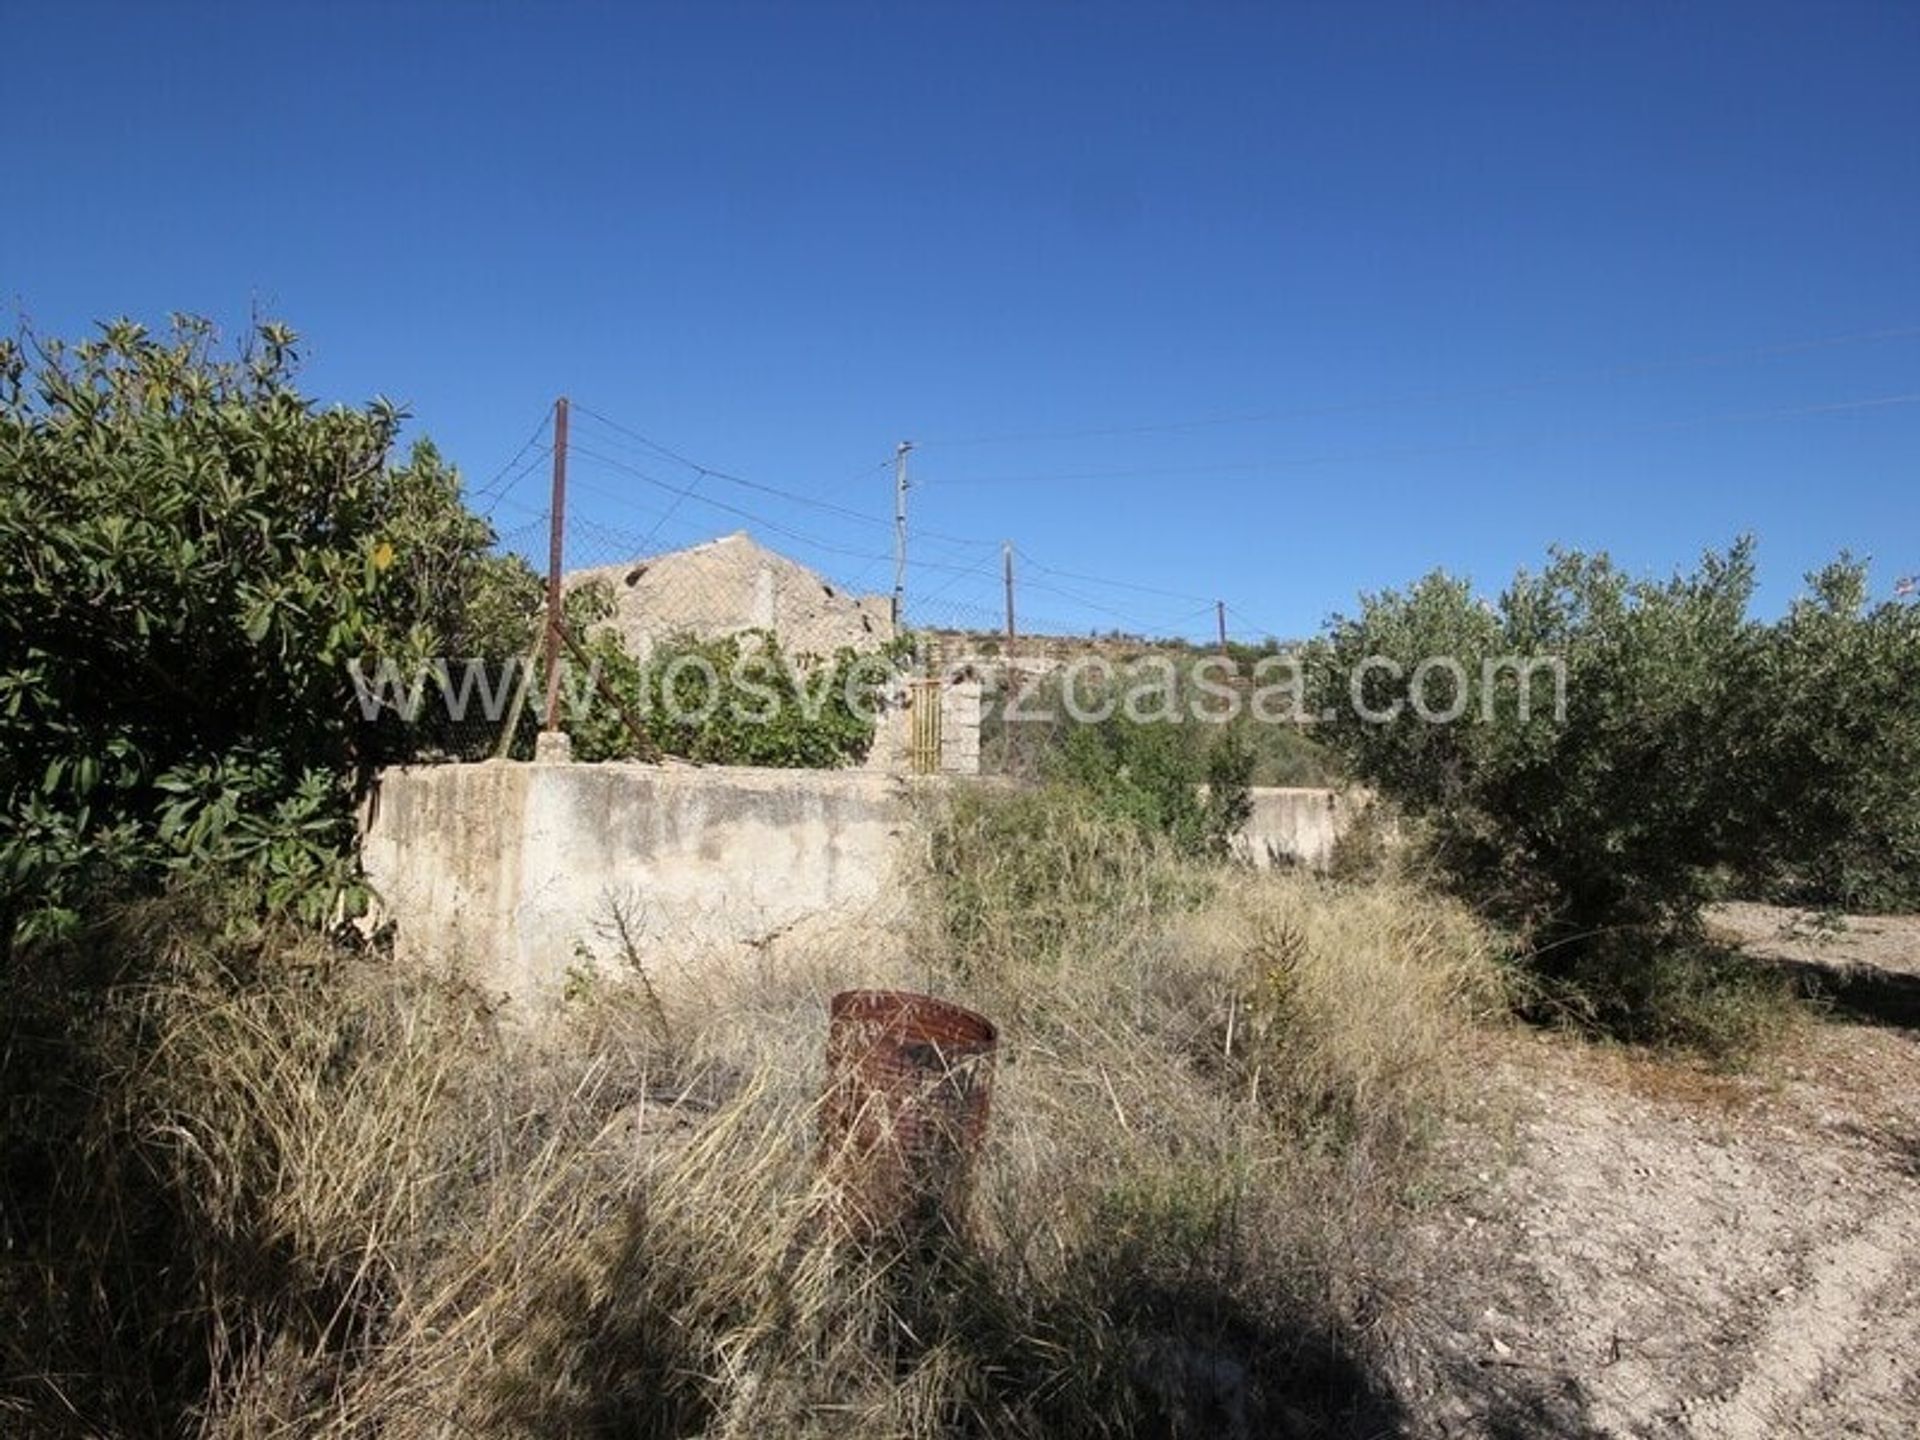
(660, 556)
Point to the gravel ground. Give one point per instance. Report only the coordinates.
(1667, 1251)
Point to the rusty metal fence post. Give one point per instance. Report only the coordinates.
(909, 1085)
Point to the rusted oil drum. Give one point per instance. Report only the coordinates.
(909, 1084)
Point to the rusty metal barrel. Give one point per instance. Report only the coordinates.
(909, 1085)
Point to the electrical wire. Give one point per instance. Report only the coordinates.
(980, 570)
(1102, 580)
(538, 430)
(960, 572)
(1473, 447)
(957, 573)
(708, 500)
(1613, 372)
(1135, 621)
(708, 472)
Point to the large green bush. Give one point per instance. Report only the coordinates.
(1698, 750)
(191, 552)
(1830, 732)
(1025, 725)
(1611, 815)
(1148, 741)
(1187, 781)
(737, 699)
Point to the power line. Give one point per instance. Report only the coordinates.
(646, 542)
(1122, 585)
(1266, 631)
(1127, 618)
(1614, 372)
(1102, 580)
(538, 430)
(711, 501)
(1415, 452)
(753, 517)
(978, 570)
(958, 573)
(709, 472)
(814, 541)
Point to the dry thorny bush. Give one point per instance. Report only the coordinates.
(342, 1202)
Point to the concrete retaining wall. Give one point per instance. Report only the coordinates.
(509, 869)
(1297, 826)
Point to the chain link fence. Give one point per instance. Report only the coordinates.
(653, 567)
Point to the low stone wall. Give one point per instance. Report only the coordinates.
(512, 871)
(1297, 826)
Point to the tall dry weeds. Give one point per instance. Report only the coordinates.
(400, 1220)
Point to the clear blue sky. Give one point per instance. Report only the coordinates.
(1273, 303)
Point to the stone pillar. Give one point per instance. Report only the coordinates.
(960, 727)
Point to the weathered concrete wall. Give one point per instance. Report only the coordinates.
(1297, 826)
(511, 871)
(508, 869)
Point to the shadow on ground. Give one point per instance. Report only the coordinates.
(1864, 994)
(953, 1338)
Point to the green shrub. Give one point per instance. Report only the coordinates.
(734, 700)
(1285, 754)
(1027, 877)
(1188, 782)
(1699, 750)
(1611, 817)
(1023, 731)
(190, 556)
(767, 708)
(1831, 736)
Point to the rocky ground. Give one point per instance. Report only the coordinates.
(1659, 1250)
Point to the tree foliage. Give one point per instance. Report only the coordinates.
(1700, 749)
(190, 553)
(1831, 733)
(1189, 781)
(738, 699)
(732, 700)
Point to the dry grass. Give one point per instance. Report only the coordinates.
(396, 1220)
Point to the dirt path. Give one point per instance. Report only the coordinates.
(1667, 1252)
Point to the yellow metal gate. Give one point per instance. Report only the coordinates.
(923, 711)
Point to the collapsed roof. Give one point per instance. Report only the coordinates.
(734, 584)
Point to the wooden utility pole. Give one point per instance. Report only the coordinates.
(1220, 613)
(900, 530)
(556, 558)
(1006, 560)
